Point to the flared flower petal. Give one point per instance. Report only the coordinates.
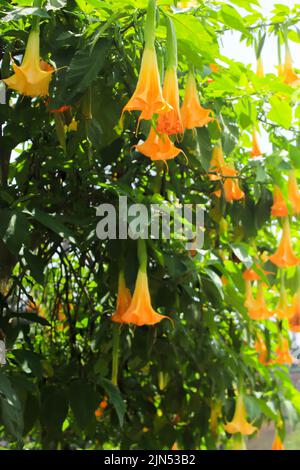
(279, 208)
(33, 76)
(262, 350)
(170, 122)
(231, 188)
(283, 355)
(192, 113)
(256, 151)
(277, 443)
(259, 310)
(158, 147)
(284, 256)
(147, 96)
(123, 300)
(140, 311)
(239, 423)
(290, 77)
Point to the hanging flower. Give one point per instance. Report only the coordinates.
(123, 300)
(258, 310)
(239, 423)
(277, 443)
(293, 193)
(284, 256)
(290, 77)
(283, 355)
(33, 76)
(217, 162)
(192, 113)
(249, 300)
(279, 208)
(147, 96)
(170, 122)
(158, 147)
(231, 188)
(262, 350)
(294, 316)
(140, 311)
(260, 68)
(283, 310)
(256, 151)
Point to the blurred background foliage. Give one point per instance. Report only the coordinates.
(59, 281)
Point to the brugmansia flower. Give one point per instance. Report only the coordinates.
(147, 96)
(123, 300)
(33, 76)
(283, 355)
(140, 311)
(258, 310)
(249, 300)
(170, 122)
(262, 350)
(290, 77)
(260, 68)
(192, 113)
(158, 147)
(256, 151)
(293, 193)
(277, 443)
(283, 310)
(239, 423)
(231, 188)
(284, 256)
(294, 317)
(279, 208)
(217, 162)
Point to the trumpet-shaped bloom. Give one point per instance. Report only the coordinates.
(260, 68)
(249, 300)
(293, 193)
(140, 311)
(283, 355)
(192, 113)
(217, 162)
(258, 310)
(277, 443)
(33, 76)
(256, 151)
(147, 96)
(284, 256)
(239, 423)
(170, 122)
(294, 317)
(231, 188)
(158, 147)
(290, 77)
(123, 300)
(279, 208)
(262, 351)
(251, 275)
(283, 310)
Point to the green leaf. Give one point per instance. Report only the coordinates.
(14, 229)
(11, 410)
(54, 409)
(115, 397)
(281, 112)
(19, 13)
(241, 252)
(53, 223)
(83, 400)
(29, 362)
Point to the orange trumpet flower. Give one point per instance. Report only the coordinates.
(293, 193)
(262, 351)
(277, 443)
(171, 123)
(123, 300)
(33, 76)
(158, 147)
(217, 162)
(290, 77)
(239, 423)
(294, 317)
(140, 311)
(279, 208)
(192, 113)
(284, 256)
(231, 188)
(258, 310)
(283, 310)
(256, 151)
(283, 352)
